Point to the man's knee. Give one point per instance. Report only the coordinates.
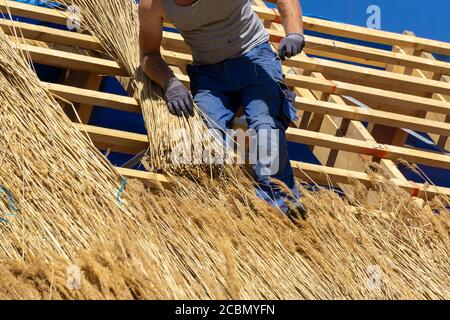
(213, 111)
(265, 122)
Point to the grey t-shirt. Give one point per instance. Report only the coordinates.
(217, 30)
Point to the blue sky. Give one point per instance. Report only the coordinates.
(426, 18)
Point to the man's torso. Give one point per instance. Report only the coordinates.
(216, 30)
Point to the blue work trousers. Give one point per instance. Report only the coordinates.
(255, 82)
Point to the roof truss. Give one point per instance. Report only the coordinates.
(411, 91)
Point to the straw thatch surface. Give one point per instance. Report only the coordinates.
(208, 239)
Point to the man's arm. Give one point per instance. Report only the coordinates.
(291, 15)
(292, 19)
(179, 99)
(150, 37)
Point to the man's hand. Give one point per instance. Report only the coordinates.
(291, 46)
(292, 19)
(179, 99)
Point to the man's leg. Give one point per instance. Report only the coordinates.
(262, 105)
(218, 111)
(217, 107)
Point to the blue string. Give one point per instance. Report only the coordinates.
(124, 183)
(9, 196)
(11, 203)
(4, 220)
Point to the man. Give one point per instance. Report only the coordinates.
(233, 66)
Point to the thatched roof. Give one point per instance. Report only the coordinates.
(66, 206)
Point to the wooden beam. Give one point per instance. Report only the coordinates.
(84, 110)
(116, 140)
(361, 33)
(134, 143)
(33, 12)
(370, 77)
(363, 147)
(371, 56)
(143, 175)
(337, 70)
(320, 174)
(51, 35)
(92, 97)
(442, 141)
(398, 137)
(376, 96)
(373, 116)
(333, 49)
(70, 60)
(387, 134)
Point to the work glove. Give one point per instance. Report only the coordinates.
(179, 99)
(291, 45)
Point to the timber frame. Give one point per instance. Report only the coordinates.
(356, 103)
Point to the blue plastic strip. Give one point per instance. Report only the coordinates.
(122, 187)
(11, 203)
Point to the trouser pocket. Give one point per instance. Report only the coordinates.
(288, 112)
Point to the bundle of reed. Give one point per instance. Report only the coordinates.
(55, 185)
(115, 23)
